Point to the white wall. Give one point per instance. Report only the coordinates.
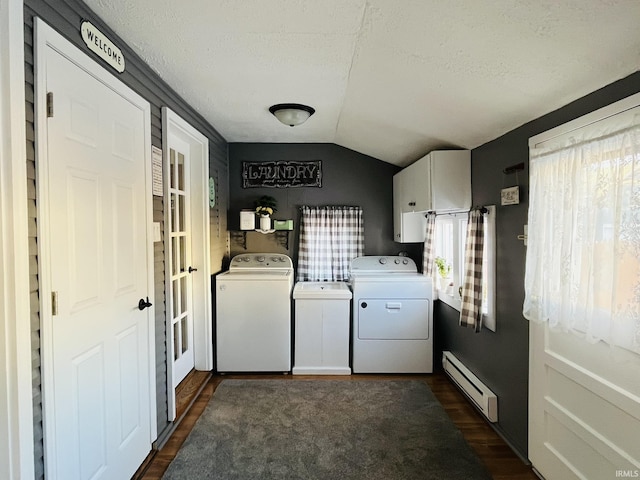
(16, 428)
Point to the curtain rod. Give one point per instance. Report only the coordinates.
(330, 206)
(482, 209)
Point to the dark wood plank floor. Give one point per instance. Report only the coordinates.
(499, 459)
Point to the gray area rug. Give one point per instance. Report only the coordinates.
(325, 429)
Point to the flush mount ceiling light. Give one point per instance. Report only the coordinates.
(291, 114)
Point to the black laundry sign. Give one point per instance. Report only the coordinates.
(282, 174)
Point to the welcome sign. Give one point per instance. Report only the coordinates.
(99, 44)
(282, 174)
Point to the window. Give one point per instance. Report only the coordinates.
(450, 234)
(582, 268)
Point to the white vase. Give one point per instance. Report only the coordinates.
(265, 222)
(449, 289)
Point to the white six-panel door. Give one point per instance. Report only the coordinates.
(95, 263)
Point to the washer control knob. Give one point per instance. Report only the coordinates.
(383, 260)
(405, 261)
(397, 261)
(260, 259)
(275, 259)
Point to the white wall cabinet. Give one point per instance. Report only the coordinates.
(440, 182)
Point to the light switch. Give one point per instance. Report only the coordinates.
(157, 235)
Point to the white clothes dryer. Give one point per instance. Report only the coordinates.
(392, 313)
(253, 314)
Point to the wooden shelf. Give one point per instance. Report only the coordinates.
(240, 237)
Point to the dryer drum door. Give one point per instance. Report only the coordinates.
(393, 319)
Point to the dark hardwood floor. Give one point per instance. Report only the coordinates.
(499, 459)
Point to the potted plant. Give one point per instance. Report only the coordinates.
(444, 269)
(265, 207)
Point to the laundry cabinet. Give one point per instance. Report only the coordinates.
(438, 182)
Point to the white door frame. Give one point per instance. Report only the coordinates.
(47, 37)
(16, 411)
(173, 124)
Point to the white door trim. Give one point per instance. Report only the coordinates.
(47, 37)
(16, 411)
(173, 124)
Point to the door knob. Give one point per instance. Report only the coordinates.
(191, 269)
(142, 304)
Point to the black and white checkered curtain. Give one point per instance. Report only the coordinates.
(330, 237)
(428, 254)
(471, 308)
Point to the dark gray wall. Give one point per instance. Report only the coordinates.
(348, 178)
(65, 16)
(501, 359)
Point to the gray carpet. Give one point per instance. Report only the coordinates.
(325, 429)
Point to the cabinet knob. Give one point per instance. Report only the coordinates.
(412, 204)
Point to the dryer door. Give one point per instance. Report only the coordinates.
(393, 319)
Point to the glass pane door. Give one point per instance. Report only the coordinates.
(180, 266)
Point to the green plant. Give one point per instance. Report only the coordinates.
(265, 205)
(444, 268)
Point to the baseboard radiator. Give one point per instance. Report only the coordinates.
(476, 391)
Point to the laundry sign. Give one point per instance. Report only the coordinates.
(99, 44)
(282, 174)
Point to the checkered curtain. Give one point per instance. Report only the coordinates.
(330, 237)
(428, 253)
(471, 308)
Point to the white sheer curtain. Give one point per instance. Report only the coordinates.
(330, 237)
(582, 266)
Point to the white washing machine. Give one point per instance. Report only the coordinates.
(253, 314)
(392, 313)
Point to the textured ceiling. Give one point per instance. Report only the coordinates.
(388, 78)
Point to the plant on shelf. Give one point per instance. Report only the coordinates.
(265, 205)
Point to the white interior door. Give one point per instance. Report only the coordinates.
(180, 266)
(189, 315)
(584, 407)
(95, 256)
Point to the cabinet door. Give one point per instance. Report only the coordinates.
(420, 179)
(397, 206)
(450, 180)
(408, 222)
(403, 195)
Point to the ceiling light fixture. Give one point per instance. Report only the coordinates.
(292, 114)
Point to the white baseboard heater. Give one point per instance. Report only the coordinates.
(479, 394)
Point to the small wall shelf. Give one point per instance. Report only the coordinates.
(240, 237)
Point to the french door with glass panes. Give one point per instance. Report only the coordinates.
(180, 306)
